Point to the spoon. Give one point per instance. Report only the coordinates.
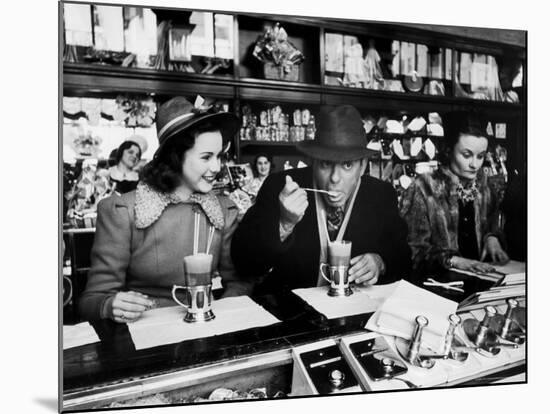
(330, 193)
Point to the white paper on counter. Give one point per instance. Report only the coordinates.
(77, 335)
(396, 316)
(166, 326)
(363, 300)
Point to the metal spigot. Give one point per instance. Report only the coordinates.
(410, 350)
(483, 328)
(454, 321)
(414, 348)
(512, 304)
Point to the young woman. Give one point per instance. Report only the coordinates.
(122, 174)
(452, 213)
(142, 236)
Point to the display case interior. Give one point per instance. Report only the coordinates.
(303, 39)
(387, 71)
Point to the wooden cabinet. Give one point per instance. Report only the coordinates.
(245, 83)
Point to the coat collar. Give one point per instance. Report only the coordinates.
(151, 203)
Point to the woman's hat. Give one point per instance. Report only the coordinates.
(140, 140)
(178, 114)
(340, 136)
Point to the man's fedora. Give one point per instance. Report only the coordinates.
(340, 136)
(178, 114)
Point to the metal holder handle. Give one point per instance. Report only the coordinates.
(174, 289)
(321, 267)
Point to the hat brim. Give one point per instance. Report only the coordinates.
(339, 154)
(227, 122)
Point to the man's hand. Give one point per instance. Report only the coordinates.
(496, 253)
(292, 203)
(366, 268)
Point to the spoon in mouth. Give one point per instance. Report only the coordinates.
(330, 193)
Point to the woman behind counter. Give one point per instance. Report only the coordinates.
(262, 168)
(122, 174)
(452, 213)
(142, 236)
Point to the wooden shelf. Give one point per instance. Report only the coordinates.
(244, 84)
(87, 79)
(275, 144)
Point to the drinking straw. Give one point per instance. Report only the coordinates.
(211, 231)
(229, 174)
(196, 234)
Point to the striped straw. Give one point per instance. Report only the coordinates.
(211, 231)
(196, 234)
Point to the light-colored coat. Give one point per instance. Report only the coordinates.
(149, 260)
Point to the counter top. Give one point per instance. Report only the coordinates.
(114, 362)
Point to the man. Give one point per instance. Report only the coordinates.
(283, 235)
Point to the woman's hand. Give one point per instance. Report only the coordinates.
(471, 265)
(128, 306)
(366, 268)
(495, 251)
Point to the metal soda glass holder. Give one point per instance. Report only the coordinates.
(199, 299)
(339, 285)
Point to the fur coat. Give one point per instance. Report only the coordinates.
(430, 207)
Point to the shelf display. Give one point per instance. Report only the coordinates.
(93, 127)
(273, 125)
(396, 76)
(279, 56)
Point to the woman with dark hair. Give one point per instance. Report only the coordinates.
(452, 213)
(261, 167)
(122, 174)
(142, 236)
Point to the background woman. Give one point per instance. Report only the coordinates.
(452, 213)
(262, 167)
(122, 174)
(142, 236)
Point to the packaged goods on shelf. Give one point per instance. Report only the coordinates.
(273, 125)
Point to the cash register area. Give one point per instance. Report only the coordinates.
(455, 329)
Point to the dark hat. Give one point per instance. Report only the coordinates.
(178, 114)
(340, 136)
